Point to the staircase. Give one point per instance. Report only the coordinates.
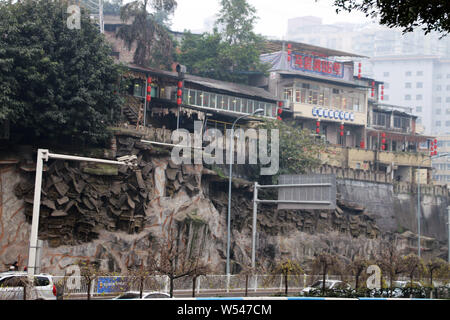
(131, 109)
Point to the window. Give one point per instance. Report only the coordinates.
(439, 76)
(438, 111)
(288, 94)
(447, 111)
(408, 97)
(438, 99)
(419, 97)
(386, 85)
(419, 85)
(385, 74)
(448, 76)
(386, 97)
(447, 123)
(438, 123)
(401, 122)
(418, 109)
(408, 73)
(447, 99)
(447, 88)
(408, 85)
(419, 73)
(438, 88)
(380, 119)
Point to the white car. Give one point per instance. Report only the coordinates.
(329, 284)
(135, 295)
(11, 286)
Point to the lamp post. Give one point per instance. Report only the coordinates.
(418, 198)
(43, 154)
(258, 111)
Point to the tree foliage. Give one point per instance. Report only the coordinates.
(231, 51)
(55, 82)
(298, 149)
(431, 15)
(154, 45)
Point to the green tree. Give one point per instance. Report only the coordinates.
(432, 15)
(288, 268)
(231, 51)
(56, 83)
(437, 267)
(299, 150)
(154, 45)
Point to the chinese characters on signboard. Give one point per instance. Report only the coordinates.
(322, 66)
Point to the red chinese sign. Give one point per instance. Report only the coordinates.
(319, 65)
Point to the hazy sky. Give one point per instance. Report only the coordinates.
(273, 14)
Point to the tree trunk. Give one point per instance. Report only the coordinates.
(89, 290)
(141, 287)
(357, 281)
(323, 280)
(171, 286)
(246, 285)
(286, 289)
(193, 286)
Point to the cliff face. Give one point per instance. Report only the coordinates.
(115, 214)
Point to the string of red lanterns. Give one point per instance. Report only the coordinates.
(318, 127)
(149, 89)
(289, 52)
(383, 141)
(342, 130)
(373, 89)
(434, 148)
(280, 110)
(359, 71)
(382, 92)
(180, 93)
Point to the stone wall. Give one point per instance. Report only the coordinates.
(195, 198)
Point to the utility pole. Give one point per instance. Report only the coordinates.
(448, 226)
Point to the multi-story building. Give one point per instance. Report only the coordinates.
(441, 166)
(322, 94)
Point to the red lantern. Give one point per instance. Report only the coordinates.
(289, 46)
(179, 93)
(435, 153)
(279, 118)
(342, 127)
(179, 101)
(149, 80)
(180, 84)
(280, 111)
(289, 58)
(318, 130)
(149, 98)
(383, 147)
(149, 89)
(383, 135)
(383, 141)
(280, 104)
(342, 133)
(435, 147)
(435, 141)
(318, 124)
(362, 145)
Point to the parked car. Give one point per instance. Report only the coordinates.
(135, 295)
(12, 286)
(329, 285)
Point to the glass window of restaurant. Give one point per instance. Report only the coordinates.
(326, 96)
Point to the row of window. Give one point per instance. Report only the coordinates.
(384, 120)
(408, 85)
(441, 166)
(407, 73)
(440, 76)
(229, 103)
(324, 96)
(439, 99)
(409, 97)
(443, 178)
(439, 123)
(439, 88)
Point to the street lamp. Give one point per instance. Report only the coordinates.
(258, 111)
(418, 197)
(43, 154)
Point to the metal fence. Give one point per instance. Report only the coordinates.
(77, 287)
